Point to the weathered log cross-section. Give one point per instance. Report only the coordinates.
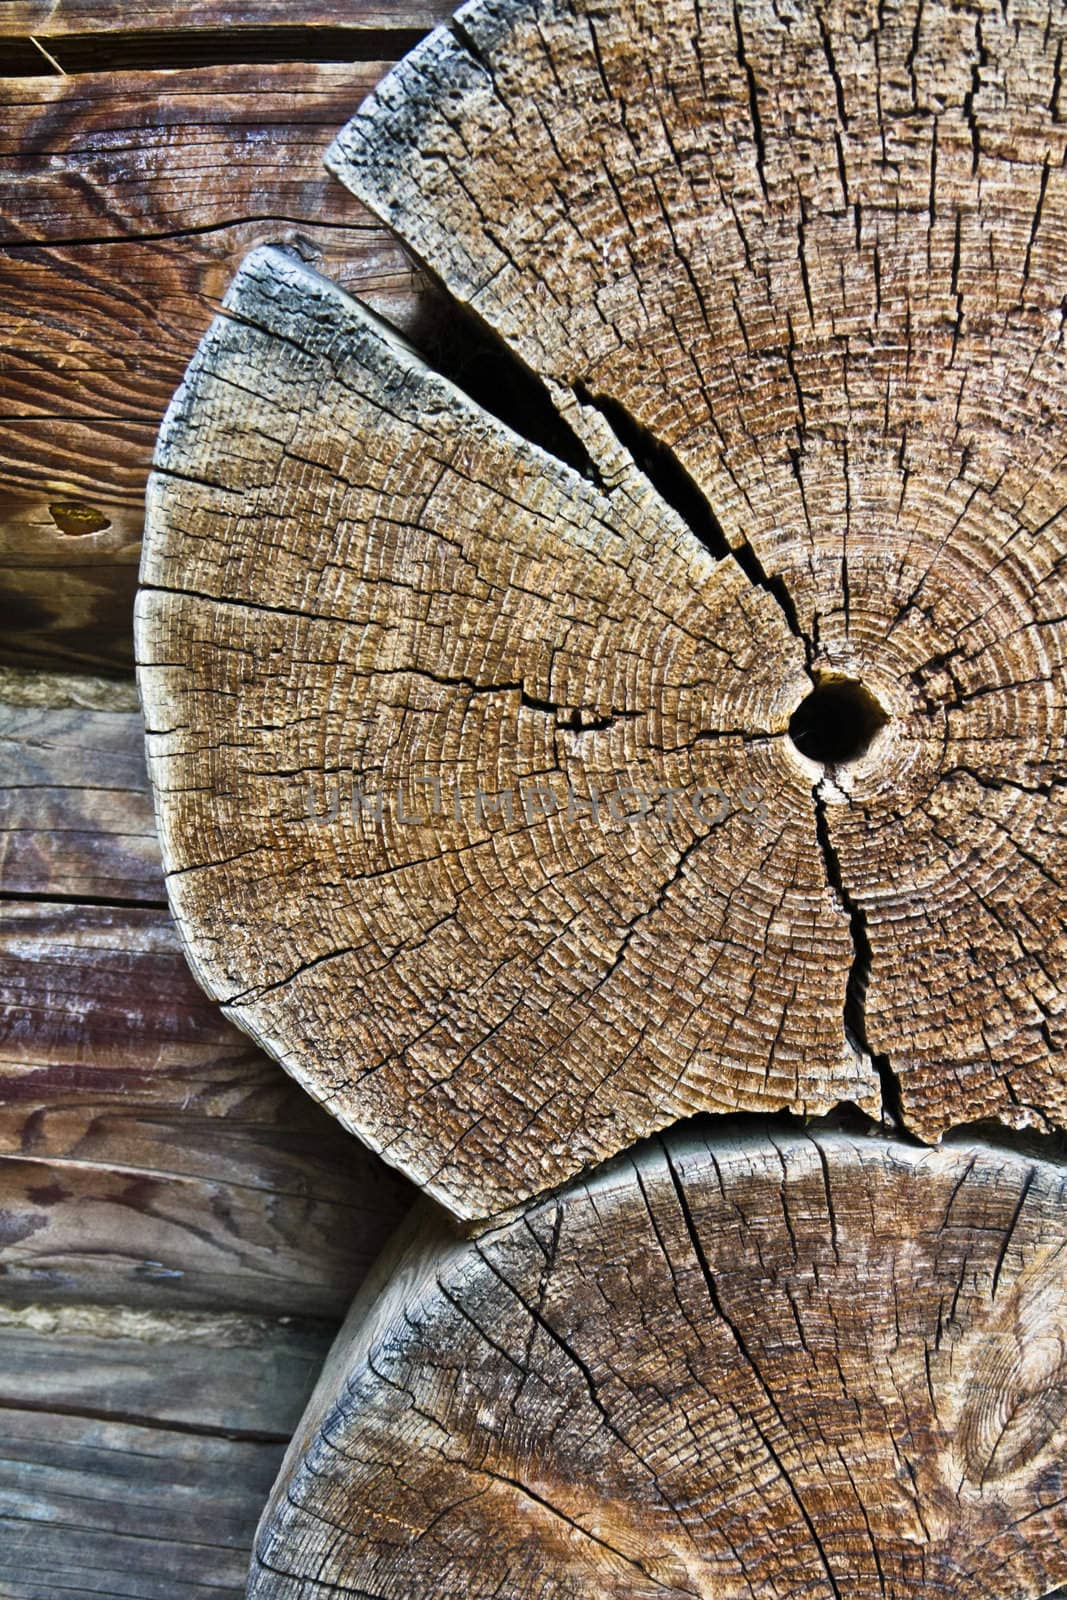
(807, 1365)
(533, 774)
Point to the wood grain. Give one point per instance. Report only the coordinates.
(202, 1372)
(76, 817)
(763, 1365)
(136, 1451)
(48, 19)
(127, 200)
(149, 1153)
(365, 583)
(808, 270)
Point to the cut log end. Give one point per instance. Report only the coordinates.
(793, 1365)
(524, 799)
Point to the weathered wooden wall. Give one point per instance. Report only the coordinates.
(180, 1227)
(126, 199)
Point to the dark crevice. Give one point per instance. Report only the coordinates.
(855, 1013)
(134, 1419)
(753, 102)
(191, 231)
(454, 341)
(107, 902)
(463, 37)
(164, 50)
(837, 722)
(981, 60)
(659, 900)
(675, 485)
(663, 470)
(575, 719)
(1042, 1144)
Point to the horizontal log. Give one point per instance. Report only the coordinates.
(118, 155)
(128, 200)
(206, 1372)
(52, 19)
(173, 1212)
(149, 1153)
(137, 1447)
(82, 1492)
(76, 815)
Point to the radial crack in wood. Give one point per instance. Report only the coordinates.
(814, 255)
(780, 1365)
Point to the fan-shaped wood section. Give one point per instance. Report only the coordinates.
(558, 913)
(783, 1366)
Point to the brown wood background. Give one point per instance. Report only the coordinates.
(180, 1227)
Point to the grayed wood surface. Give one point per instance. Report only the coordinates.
(764, 1365)
(76, 816)
(126, 201)
(136, 1451)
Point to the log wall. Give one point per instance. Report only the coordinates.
(181, 1229)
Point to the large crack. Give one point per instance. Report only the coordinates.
(859, 972)
(167, 49)
(453, 341)
(679, 490)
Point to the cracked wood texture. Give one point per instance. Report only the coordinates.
(775, 1365)
(815, 254)
(801, 516)
(792, 279)
(354, 576)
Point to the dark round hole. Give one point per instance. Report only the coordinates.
(836, 722)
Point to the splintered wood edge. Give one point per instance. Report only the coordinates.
(754, 1363)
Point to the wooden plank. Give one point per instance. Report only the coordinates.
(137, 1449)
(91, 1507)
(129, 199)
(76, 816)
(106, 330)
(149, 1153)
(49, 19)
(118, 155)
(208, 1372)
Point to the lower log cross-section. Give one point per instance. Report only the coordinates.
(781, 1364)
